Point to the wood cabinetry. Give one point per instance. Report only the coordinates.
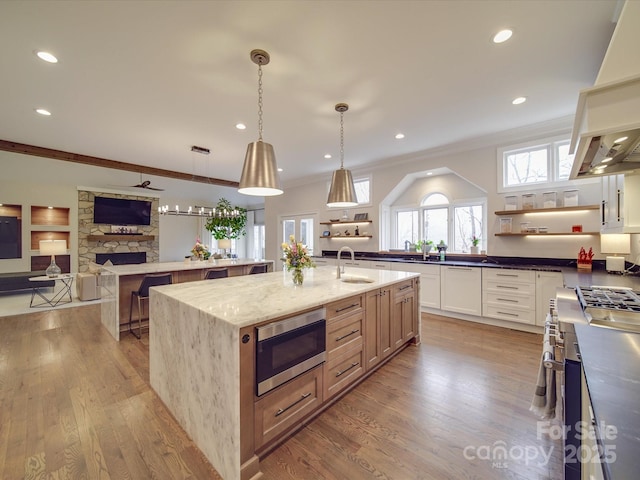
(378, 326)
(509, 294)
(461, 289)
(404, 315)
(344, 359)
(282, 408)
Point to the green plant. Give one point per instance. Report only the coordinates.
(475, 241)
(227, 221)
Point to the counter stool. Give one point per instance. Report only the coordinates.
(217, 273)
(143, 294)
(258, 269)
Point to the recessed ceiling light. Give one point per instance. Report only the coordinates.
(429, 174)
(519, 100)
(280, 169)
(399, 136)
(47, 57)
(620, 140)
(327, 155)
(42, 111)
(240, 126)
(606, 159)
(502, 36)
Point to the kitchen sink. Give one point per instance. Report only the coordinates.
(354, 279)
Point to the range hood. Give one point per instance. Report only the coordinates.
(606, 130)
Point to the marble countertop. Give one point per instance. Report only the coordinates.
(144, 268)
(611, 362)
(251, 299)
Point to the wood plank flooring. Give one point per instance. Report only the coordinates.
(74, 404)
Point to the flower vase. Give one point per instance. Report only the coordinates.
(475, 250)
(297, 276)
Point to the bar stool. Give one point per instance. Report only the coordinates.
(258, 269)
(217, 273)
(143, 294)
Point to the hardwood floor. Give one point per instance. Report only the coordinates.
(76, 404)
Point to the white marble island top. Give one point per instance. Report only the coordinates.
(251, 299)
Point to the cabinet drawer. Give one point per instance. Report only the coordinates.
(511, 300)
(342, 371)
(403, 288)
(507, 288)
(510, 314)
(283, 407)
(508, 276)
(345, 307)
(344, 334)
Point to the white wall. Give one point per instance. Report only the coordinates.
(476, 162)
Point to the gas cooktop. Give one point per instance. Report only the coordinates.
(611, 307)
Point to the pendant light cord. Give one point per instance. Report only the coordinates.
(342, 140)
(259, 102)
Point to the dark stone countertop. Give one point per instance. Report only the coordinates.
(611, 362)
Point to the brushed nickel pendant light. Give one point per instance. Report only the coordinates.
(342, 192)
(260, 172)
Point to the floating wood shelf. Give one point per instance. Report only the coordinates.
(347, 236)
(524, 234)
(549, 210)
(117, 238)
(346, 222)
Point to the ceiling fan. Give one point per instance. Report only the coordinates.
(146, 184)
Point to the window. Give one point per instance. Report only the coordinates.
(431, 221)
(301, 227)
(533, 164)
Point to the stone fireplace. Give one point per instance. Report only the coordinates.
(147, 245)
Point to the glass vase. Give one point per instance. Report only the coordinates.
(297, 276)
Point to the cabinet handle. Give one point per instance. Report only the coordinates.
(347, 335)
(507, 287)
(604, 204)
(507, 300)
(509, 314)
(460, 268)
(618, 205)
(338, 310)
(405, 287)
(355, 364)
(282, 410)
(507, 275)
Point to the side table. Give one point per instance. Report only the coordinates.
(57, 298)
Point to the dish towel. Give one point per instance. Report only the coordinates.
(544, 398)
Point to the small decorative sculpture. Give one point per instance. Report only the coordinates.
(357, 232)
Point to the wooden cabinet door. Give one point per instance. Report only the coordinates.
(409, 317)
(384, 318)
(378, 326)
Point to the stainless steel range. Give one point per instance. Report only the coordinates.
(611, 307)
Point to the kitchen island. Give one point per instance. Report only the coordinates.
(118, 281)
(202, 353)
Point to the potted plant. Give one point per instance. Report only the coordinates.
(475, 242)
(227, 221)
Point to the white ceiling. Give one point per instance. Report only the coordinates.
(143, 81)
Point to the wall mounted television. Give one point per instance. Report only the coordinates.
(121, 211)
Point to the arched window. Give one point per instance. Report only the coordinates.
(434, 199)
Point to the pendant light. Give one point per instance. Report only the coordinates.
(260, 172)
(342, 192)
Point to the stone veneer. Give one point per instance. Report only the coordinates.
(87, 250)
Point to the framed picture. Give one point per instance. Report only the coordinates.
(361, 216)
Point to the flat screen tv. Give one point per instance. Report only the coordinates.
(121, 211)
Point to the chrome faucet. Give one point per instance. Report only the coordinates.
(407, 245)
(353, 258)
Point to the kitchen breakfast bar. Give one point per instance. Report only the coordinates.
(118, 281)
(205, 342)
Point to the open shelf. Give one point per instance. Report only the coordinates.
(346, 236)
(347, 222)
(549, 210)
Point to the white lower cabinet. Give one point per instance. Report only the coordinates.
(323, 261)
(429, 281)
(509, 294)
(546, 285)
(461, 289)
